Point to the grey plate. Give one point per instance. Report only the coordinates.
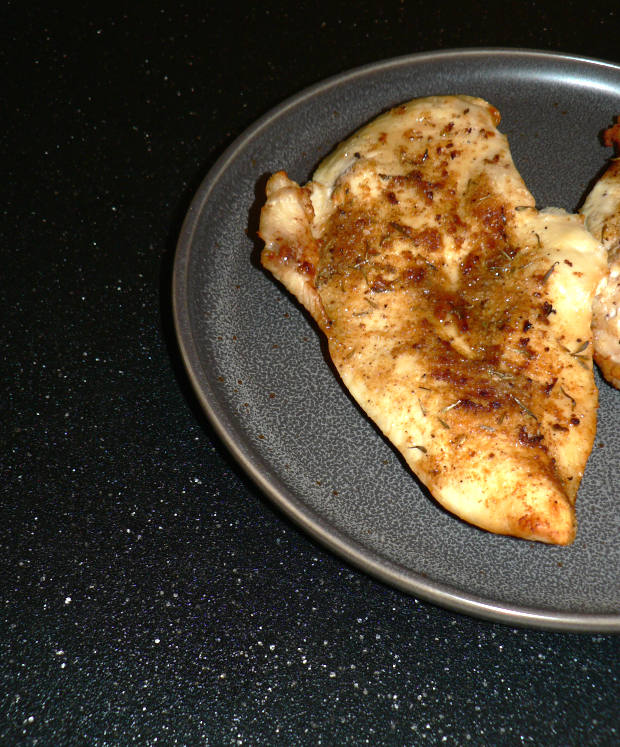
(259, 367)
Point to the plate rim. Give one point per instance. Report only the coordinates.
(364, 558)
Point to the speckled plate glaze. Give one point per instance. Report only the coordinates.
(260, 367)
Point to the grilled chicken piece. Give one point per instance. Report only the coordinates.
(602, 212)
(457, 315)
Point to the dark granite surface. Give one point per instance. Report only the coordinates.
(149, 594)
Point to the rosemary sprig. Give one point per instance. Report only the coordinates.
(581, 348)
(577, 354)
(403, 230)
(364, 275)
(525, 409)
(566, 394)
(547, 274)
(527, 264)
(421, 406)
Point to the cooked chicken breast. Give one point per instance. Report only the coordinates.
(457, 315)
(602, 212)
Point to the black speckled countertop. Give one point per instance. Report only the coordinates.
(149, 593)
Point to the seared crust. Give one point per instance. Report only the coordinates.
(457, 315)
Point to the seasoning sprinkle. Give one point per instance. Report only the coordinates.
(581, 359)
(525, 409)
(547, 274)
(404, 230)
(449, 407)
(581, 348)
(527, 264)
(566, 394)
(421, 406)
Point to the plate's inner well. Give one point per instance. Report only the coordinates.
(259, 362)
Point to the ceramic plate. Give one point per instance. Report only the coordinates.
(260, 369)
